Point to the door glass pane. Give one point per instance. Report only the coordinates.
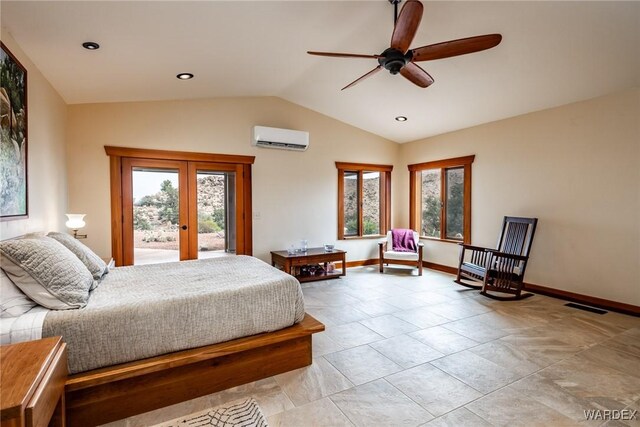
(350, 203)
(431, 205)
(216, 213)
(155, 216)
(455, 203)
(371, 203)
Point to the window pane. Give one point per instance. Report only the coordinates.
(216, 213)
(350, 203)
(431, 205)
(155, 216)
(455, 203)
(371, 203)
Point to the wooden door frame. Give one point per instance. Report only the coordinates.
(240, 164)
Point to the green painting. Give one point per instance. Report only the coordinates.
(13, 152)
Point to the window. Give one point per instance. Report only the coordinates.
(440, 199)
(364, 199)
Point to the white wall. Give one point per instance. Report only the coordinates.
(46, 168)
(295, 193)
(576, 168)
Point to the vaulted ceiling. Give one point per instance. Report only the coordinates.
(552, 53)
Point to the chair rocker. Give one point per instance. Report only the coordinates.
(501, 269)
(389, 256)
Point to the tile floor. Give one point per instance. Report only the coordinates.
(403, 350)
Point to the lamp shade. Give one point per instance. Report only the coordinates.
(76, 221)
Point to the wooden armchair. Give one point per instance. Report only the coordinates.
(389, 256)
(501, 269)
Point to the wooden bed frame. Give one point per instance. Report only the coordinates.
(108, 394)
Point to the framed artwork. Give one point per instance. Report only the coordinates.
(14, 201)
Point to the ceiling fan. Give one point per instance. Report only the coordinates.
(400, 59)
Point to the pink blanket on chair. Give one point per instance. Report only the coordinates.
(402, 240)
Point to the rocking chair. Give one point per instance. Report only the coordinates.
(501, 269)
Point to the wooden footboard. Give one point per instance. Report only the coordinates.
(109, 394)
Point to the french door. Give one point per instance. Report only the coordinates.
(174, 210)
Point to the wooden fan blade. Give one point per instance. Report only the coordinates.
(416, 75)
(456, 47)
(359, 79)
(406, 25)
(343, 55)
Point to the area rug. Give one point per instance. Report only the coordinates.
(245, 413)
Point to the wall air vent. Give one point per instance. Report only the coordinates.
(284, 139)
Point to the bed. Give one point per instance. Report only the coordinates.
(154, 335)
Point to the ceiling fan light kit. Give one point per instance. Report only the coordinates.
(399, 59)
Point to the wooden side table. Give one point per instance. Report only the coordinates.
(32, 383)
(312, 256)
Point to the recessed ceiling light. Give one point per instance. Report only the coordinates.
(185, 76)
(91, 45)
(401, 119)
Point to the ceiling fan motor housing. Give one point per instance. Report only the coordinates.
(393, 60)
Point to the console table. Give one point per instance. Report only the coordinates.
(312, 256)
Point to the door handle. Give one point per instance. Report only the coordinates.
(184, 227)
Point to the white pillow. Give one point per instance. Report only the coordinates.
(13, 302)
(46, 272)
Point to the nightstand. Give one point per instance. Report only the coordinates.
(32, 383)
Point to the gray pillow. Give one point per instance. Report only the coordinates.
(46, 272)
(93, 262)
(13, 302)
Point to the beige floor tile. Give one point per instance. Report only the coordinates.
(378, 403)
(335, 316)
(443, 340)
(406, 351)
(362, 364)
(515, 359)
(376, 308)
(594, 382)
(461, 417)
(476, 330)
(613, 358)
(352, 335)
(421, 317)
(406, 302)
(321, 413)
(270, 397)
(433, 389)
(167, 413)
(389, 326)
(313, 382)
(507, 407)
(546, 349)
(459, 309)
(322, 344)
(555, 396)
(432, 297)
(331, 298)
(628, 341)
(478, 372)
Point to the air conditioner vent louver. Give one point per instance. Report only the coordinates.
(284, 139)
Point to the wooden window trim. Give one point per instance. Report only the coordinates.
(146, 153)
(415, 213)
(385, 197)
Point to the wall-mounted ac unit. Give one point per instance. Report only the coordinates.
(284, 139)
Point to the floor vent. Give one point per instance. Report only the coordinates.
(586, 308)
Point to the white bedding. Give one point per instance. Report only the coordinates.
(26, 327)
